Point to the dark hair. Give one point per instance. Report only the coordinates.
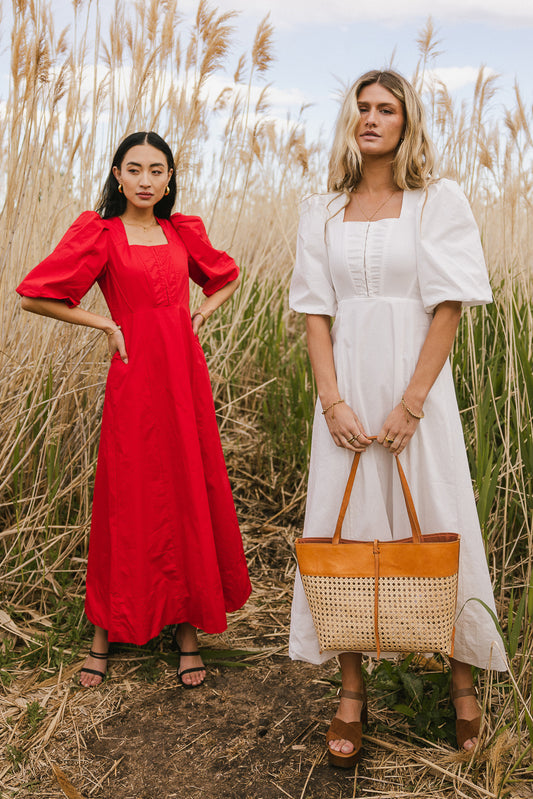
(112, 202)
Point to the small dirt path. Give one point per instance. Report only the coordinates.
(254, 733)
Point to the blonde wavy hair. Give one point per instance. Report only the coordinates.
(414, 160)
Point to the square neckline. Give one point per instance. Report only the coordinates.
(150, 246)
(375, 221)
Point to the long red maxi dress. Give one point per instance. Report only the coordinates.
(165, 545)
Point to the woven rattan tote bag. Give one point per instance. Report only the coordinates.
(382, 596)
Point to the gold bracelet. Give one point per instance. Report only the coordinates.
(331, 406)
(112, 332)
(410, 412)
(199, 313)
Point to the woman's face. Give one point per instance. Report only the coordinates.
(382, 121)
(144, 175)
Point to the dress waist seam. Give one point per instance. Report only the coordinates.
(381, 297)
(149, 309)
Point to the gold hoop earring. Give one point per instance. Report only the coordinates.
(120, 188)
(167, 191)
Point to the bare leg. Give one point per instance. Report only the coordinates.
(349, 709)
(101, 646)
(466, 707)
(187, 640)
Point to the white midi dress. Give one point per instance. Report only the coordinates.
(381, 281)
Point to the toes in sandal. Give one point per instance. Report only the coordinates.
(351, 731)
(465, 729)
(102, 674)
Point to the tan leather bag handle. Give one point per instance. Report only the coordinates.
(411, 512)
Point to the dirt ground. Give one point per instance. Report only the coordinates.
(254, 730)
(248, 733)
(253, 733)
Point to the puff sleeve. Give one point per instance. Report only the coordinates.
(450, 260)
(311, 288)
(76, 263)
(209, 268)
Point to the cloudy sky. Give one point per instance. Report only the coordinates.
(322, 44)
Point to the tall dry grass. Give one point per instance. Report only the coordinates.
(489, 152)
(65, 113)
(71, 99)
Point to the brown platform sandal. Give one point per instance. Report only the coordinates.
(351, 731)
(464, 729)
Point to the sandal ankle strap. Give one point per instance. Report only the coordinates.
(98, 655)
(351, 694)
(464, 692)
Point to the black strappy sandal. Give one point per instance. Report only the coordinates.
(179, 673)
(188, 671)
(102, 674)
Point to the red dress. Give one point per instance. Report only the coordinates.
(165, 545)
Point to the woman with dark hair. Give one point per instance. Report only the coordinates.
(392, 254)
(165, 546)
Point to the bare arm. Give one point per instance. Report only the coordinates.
(56, 309)
(399, 424)
(342, 422)
(210, 304)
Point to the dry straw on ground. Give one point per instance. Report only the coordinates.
(62, 118)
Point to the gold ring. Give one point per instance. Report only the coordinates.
(389, 440)
(353, 438)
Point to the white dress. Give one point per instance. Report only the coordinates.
(381, 281)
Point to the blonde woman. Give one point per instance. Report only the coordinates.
(392, 254)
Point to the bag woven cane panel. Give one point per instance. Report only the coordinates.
(415, 614)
